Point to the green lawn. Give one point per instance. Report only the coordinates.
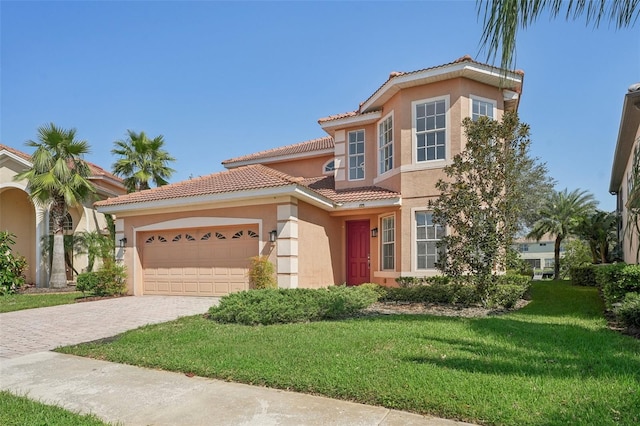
(17, 302)
(20, 411)
(553, 362)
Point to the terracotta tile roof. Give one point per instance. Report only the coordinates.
(245, 178)
(395, 74)
(96, 171)
(326, 186)
(309, 146)
(15, 152)
(242, 178)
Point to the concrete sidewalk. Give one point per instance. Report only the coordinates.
(137, 396)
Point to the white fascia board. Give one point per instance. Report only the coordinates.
(292, 190)
(279, 158)
(312, 197)
(16, 158)
(357, 205)
(201, 199)
(367, 118)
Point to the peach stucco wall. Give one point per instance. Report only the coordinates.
(630, 239)
(17, 215)
(319, 247)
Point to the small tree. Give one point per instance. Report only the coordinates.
(483, 197)
(576, 254)
(599, 230)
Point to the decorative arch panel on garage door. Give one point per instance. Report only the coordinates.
(199, 262)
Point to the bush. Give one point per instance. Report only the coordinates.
(261, 273)
(405, 282)
(280, 306)
(583, 275)
(108, 281)
(629, 310)
(12, 267)
(505, 295)
(616, 281)
(381, 291)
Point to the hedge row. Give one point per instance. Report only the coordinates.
(619, 285)
(279, 306)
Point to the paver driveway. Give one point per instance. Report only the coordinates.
(43, 329)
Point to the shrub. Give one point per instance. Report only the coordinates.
(12, 266)
(279, 306)
(381, 291)
(505, 295)
(616, 281)
(261, 273)
(583, 275)
(629, 310)
(576, 254)
(108, 281)
(405, 282)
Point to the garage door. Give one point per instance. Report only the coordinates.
(197, 262)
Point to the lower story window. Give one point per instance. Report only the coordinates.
(388, 242)
(428, 234)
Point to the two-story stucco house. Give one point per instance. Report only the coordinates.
(627, 154)
(30, 222)
(350, 207)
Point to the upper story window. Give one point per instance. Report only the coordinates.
(356, 155)
(430, 125)
(522, 248)
(329, 167)
(482, 108)
(385, 144)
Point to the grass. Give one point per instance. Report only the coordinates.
(20, 410)
(17, 302)
(553, 362)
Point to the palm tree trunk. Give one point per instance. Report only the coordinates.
(556, 256)
(58, 278)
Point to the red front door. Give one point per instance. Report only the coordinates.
(358, 259)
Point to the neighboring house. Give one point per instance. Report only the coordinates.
(30, 222)
(538, 254)
(626, 155)
(351, 207)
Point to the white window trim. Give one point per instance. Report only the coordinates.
(378, 148)
(395, 242)
(414, 253)
(447, 130)
(364, 163)
(329, 172)
(481, 99)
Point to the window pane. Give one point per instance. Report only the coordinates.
(431, 109)
(440, 122)
(440, 107)
(431, 123)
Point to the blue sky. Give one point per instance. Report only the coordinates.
(222, 79)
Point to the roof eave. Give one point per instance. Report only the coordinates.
(294, 190)
(629, 124)
(367, 204)
(479, 72)
(279, 158)
(357, 120)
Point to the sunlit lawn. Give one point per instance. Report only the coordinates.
(553, 362)
(17, 302)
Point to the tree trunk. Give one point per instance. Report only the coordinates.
(58, 277)
(556, 256)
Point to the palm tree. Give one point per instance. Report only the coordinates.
(599, 231)
(95, 245)
(58, 179)
(503, 18)
(142, 160)
(559, 216)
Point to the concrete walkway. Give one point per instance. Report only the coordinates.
(131, 395)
